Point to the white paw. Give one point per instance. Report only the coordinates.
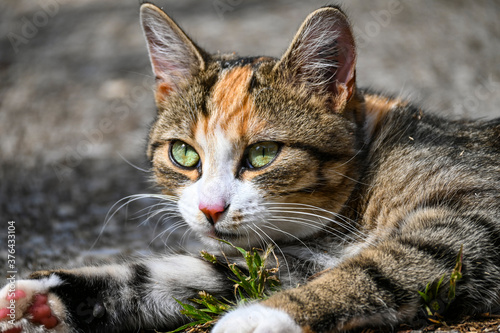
(27, 306)
(257, 319)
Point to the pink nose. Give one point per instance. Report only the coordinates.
(212, 212)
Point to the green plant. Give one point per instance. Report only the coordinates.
(203, 317)
(256, 285)
(433, 303)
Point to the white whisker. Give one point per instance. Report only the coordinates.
(150, 208)
(167, 216)
(132, 165)
(272, 227)
(171, 229)
(347, 227)
(124, 202)
(185, 235)
(347, 177)
(301, 207)
(316, 225)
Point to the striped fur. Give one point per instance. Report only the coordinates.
(368, 199)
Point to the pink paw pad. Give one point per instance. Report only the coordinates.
(16, 295)
(41, 313)
(4, 313)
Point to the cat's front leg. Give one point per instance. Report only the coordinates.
(379, 286)
(112, 298)
(354, 296)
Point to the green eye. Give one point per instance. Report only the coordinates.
(263, 153)
(184, 155)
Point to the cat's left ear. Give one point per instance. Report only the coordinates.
(174, 57)
(322, 55)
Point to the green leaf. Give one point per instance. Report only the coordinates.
(258, 260)
(242, 251)
(242, 297)
(427, 288)
(424, 296)
(455, 276)
(210, 308)
(438, 285)
(193, 312)
(242, 280)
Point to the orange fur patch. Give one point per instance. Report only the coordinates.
(377, 107)
(162, 91)
(232, 104)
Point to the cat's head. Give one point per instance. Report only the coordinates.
(256, 148)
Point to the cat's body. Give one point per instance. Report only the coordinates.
(367, 197)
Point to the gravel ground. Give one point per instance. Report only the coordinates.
(76, 100)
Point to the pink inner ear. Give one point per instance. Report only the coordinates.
(346, 59)
(344, 77)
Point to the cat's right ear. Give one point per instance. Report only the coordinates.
(174, 57)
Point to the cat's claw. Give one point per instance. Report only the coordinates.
(257, 319)
(28, 306)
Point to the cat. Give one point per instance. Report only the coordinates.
(366, 197)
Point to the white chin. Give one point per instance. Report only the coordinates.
(215, 241)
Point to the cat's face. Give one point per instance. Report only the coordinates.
(254, 149)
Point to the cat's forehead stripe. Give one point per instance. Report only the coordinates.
(231, 100)
(231, 90)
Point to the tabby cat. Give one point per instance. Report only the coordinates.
(366, 197)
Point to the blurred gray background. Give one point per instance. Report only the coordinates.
(76, 100)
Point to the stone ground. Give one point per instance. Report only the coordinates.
(76, 100)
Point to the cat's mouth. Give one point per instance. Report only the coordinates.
(217, 234)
